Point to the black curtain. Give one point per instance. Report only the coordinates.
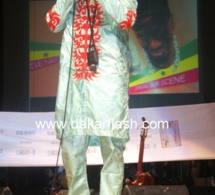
(1, 55)
(14, 78)
(15, 71)
(207, 49)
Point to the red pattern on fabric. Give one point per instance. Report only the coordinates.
(53, 19)
(131, 17)
(82, 38)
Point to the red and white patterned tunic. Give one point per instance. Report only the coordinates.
(98, 99)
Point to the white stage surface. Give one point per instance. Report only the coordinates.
(190, 136)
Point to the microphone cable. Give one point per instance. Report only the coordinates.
(54, 183)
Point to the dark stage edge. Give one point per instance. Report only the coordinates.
(40, 191)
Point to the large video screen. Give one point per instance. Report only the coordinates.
(163, 44)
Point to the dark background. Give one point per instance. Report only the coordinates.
(14, 95)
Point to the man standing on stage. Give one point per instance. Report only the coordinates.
(93, 86)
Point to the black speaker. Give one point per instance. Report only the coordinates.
(155, 190)
(5, 191)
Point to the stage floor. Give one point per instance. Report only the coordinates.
(41, 191)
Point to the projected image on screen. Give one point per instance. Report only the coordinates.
(44, 52)
(164, 47)
(163, 43)
(170, 135)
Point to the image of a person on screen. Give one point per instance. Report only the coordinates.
(154, 29)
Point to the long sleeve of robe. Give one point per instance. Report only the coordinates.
(93, 103)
